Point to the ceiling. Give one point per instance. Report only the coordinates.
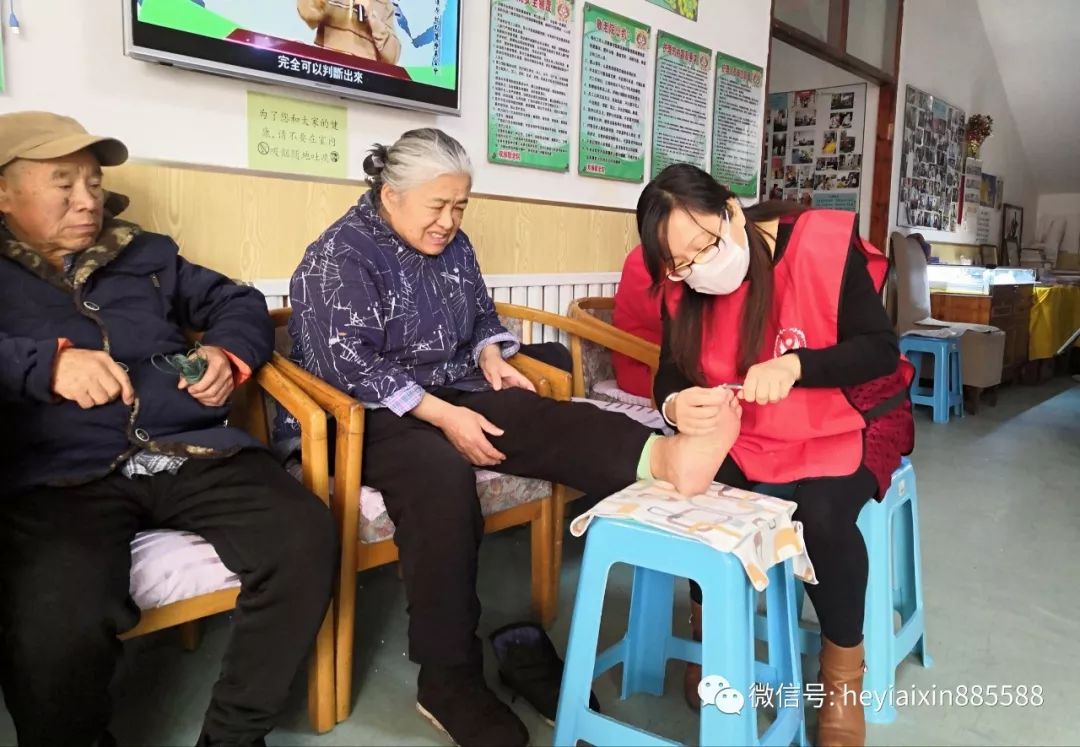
(1035, 46)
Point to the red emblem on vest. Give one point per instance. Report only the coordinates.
(788, 339)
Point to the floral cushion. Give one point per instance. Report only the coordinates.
(169, 566)
(497, 493)
(513, 325)
(595, 364)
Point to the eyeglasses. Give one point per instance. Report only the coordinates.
(683, 270)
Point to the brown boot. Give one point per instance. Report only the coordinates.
(692, 677)
(841, 722)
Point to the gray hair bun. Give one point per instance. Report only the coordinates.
(375, 163)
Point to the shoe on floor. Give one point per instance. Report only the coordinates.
(531, 668)
(458, 702)
(841, 720)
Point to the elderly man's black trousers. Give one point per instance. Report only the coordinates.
(65, 564)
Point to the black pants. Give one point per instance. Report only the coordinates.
(552, 353)
(828, 508)
(64, 568)
(430, 494)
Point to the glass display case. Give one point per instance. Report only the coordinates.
(975, 280)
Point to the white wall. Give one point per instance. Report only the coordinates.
(1059, 204)
(70, 60)
(945, 52)
(791, 69)
(1065, 235)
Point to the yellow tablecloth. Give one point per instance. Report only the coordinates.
(1055, 314)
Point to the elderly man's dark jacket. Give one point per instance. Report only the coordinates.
(132, 296)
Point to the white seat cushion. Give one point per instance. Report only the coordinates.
(609, 390)
(169, 566)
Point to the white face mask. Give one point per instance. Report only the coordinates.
(724, 273)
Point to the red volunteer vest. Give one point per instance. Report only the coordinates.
(637, 311)
(813, 432)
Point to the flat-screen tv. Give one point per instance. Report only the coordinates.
(397, 52)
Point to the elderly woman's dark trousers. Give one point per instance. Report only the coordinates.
(430, 494)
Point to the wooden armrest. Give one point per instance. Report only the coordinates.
(595, 303)
(611, 336)
(590, 329)
(348, 459)
(314, 459)
(280, 317)
(549, 381)
(327, 396)
(348, 416)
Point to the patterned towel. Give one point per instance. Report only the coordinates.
(756, 528)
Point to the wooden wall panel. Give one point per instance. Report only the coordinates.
(251, 226)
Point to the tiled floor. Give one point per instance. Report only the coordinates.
(1000, 515)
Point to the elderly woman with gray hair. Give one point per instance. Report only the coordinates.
(390, 307)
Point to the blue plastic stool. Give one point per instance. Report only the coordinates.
(727, 648)
(947, 393)
(891, 532)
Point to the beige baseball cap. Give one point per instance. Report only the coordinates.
(39, 136)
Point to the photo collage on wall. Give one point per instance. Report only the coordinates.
(930, 162)
(815, 152)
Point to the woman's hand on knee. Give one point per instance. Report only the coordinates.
(698, 411)
(468, 430)
(500, 374)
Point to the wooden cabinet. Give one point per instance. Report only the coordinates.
(1008, 307)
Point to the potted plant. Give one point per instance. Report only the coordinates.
(979, 127)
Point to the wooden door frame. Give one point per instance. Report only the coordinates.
(834, 51)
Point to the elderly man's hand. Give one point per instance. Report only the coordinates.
(91, 378)
(216, 384)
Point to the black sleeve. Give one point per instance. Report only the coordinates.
(668, 378)
(867, 346)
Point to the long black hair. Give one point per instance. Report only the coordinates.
(687, 187)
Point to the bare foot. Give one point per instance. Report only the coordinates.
(690, 463)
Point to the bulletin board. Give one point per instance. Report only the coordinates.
(815, 146)
(529, 84)
(931, 160)
(680, 104)
(614, 86)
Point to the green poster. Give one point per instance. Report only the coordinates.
(614, 68)
(737, 118)
(1, 62)
(531, 46)
(298, 137)
(680, 103)
(685, 8)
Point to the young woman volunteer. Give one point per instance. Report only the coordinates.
(784, 301)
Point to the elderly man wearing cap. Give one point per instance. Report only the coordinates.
(99, 443)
